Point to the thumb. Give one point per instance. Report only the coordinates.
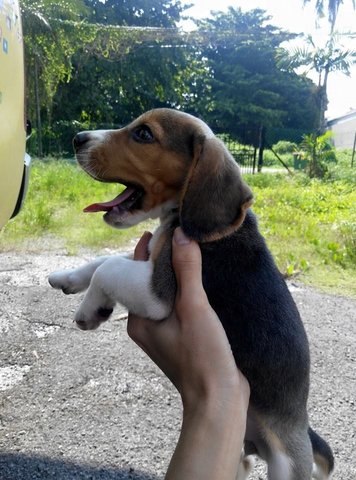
(187, 264)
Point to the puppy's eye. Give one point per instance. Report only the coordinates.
(143, 134)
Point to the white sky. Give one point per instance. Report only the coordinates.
(292, 16)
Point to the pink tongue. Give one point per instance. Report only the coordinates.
(107, 206)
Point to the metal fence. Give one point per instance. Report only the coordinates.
(246, 157)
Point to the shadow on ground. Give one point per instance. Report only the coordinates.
(16, 466)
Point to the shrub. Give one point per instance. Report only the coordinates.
(283, 146)
(318, 152)
(341, 169)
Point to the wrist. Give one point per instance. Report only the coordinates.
(212, 436)
(215, 398)
(220, 406)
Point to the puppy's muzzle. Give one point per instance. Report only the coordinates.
(80, 139)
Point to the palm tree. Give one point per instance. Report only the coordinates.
(322, 60)
(333, 10)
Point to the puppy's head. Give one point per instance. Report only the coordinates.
(167, 160)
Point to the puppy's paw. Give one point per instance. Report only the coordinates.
(90, 320)
(245, 467)
(68, 281)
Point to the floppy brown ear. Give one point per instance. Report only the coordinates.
(215, 198)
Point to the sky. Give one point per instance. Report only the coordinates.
(292, 16)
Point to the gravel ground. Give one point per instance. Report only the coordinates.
(90, 405)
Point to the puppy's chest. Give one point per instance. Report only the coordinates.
(160, 236)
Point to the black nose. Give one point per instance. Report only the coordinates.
(80, 139)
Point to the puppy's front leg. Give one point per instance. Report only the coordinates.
(77, 279)
(125, 281)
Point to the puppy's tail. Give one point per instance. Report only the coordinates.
(323, 456)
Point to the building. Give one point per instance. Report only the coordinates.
(343, 129)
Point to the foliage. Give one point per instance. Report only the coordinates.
(270, 159)
(310, 225)
(331, 57)
(318, 152)
(66, 52)
(140, 13)
(48, 46)
(66, 190)
(332, 7)
(341, 170)
(284, 146)
(247, 89)
(101, 63)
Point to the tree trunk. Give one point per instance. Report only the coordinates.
(323, 103)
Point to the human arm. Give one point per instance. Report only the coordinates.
(192, 349)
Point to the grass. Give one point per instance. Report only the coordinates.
(58, 192)
(310, 225)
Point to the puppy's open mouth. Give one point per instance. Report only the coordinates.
(123, 204)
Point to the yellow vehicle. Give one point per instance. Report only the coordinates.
(14, 162)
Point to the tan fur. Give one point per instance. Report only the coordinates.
(210, 169)
(322, 464)
(167, 169)
(133, 166)
(273, 441)
(158, 245)
(185, 175)
(120, 158)
(234, 226)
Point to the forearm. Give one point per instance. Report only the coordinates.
(210, 442)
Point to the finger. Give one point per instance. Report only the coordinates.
(141, 249)
(186, 258)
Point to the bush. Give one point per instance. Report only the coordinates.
(283, 146)
(342, 170)
(318, 152)
(270, 159)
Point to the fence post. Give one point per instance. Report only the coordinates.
(261, 146)
(254, 160)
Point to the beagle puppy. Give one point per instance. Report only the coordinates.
(175, 169)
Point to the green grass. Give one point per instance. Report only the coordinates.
(58, 192)
(309, 225)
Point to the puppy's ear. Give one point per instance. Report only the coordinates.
(214, 198)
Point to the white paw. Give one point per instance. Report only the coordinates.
(68, 281)
(91, 318)
(245, 467)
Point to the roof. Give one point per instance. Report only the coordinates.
(350, 115)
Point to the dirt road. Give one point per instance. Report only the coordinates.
(90, 405)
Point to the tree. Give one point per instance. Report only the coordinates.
(48, 49)
(72, 49)
(318, 152)
(246, 90)
(333, 10)
(132, 66)
(323, 60)
(139, 13)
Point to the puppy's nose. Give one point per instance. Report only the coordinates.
(80, 139)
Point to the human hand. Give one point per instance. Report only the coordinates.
(190, 346)
(192, 349)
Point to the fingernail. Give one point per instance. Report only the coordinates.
(180, 238)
